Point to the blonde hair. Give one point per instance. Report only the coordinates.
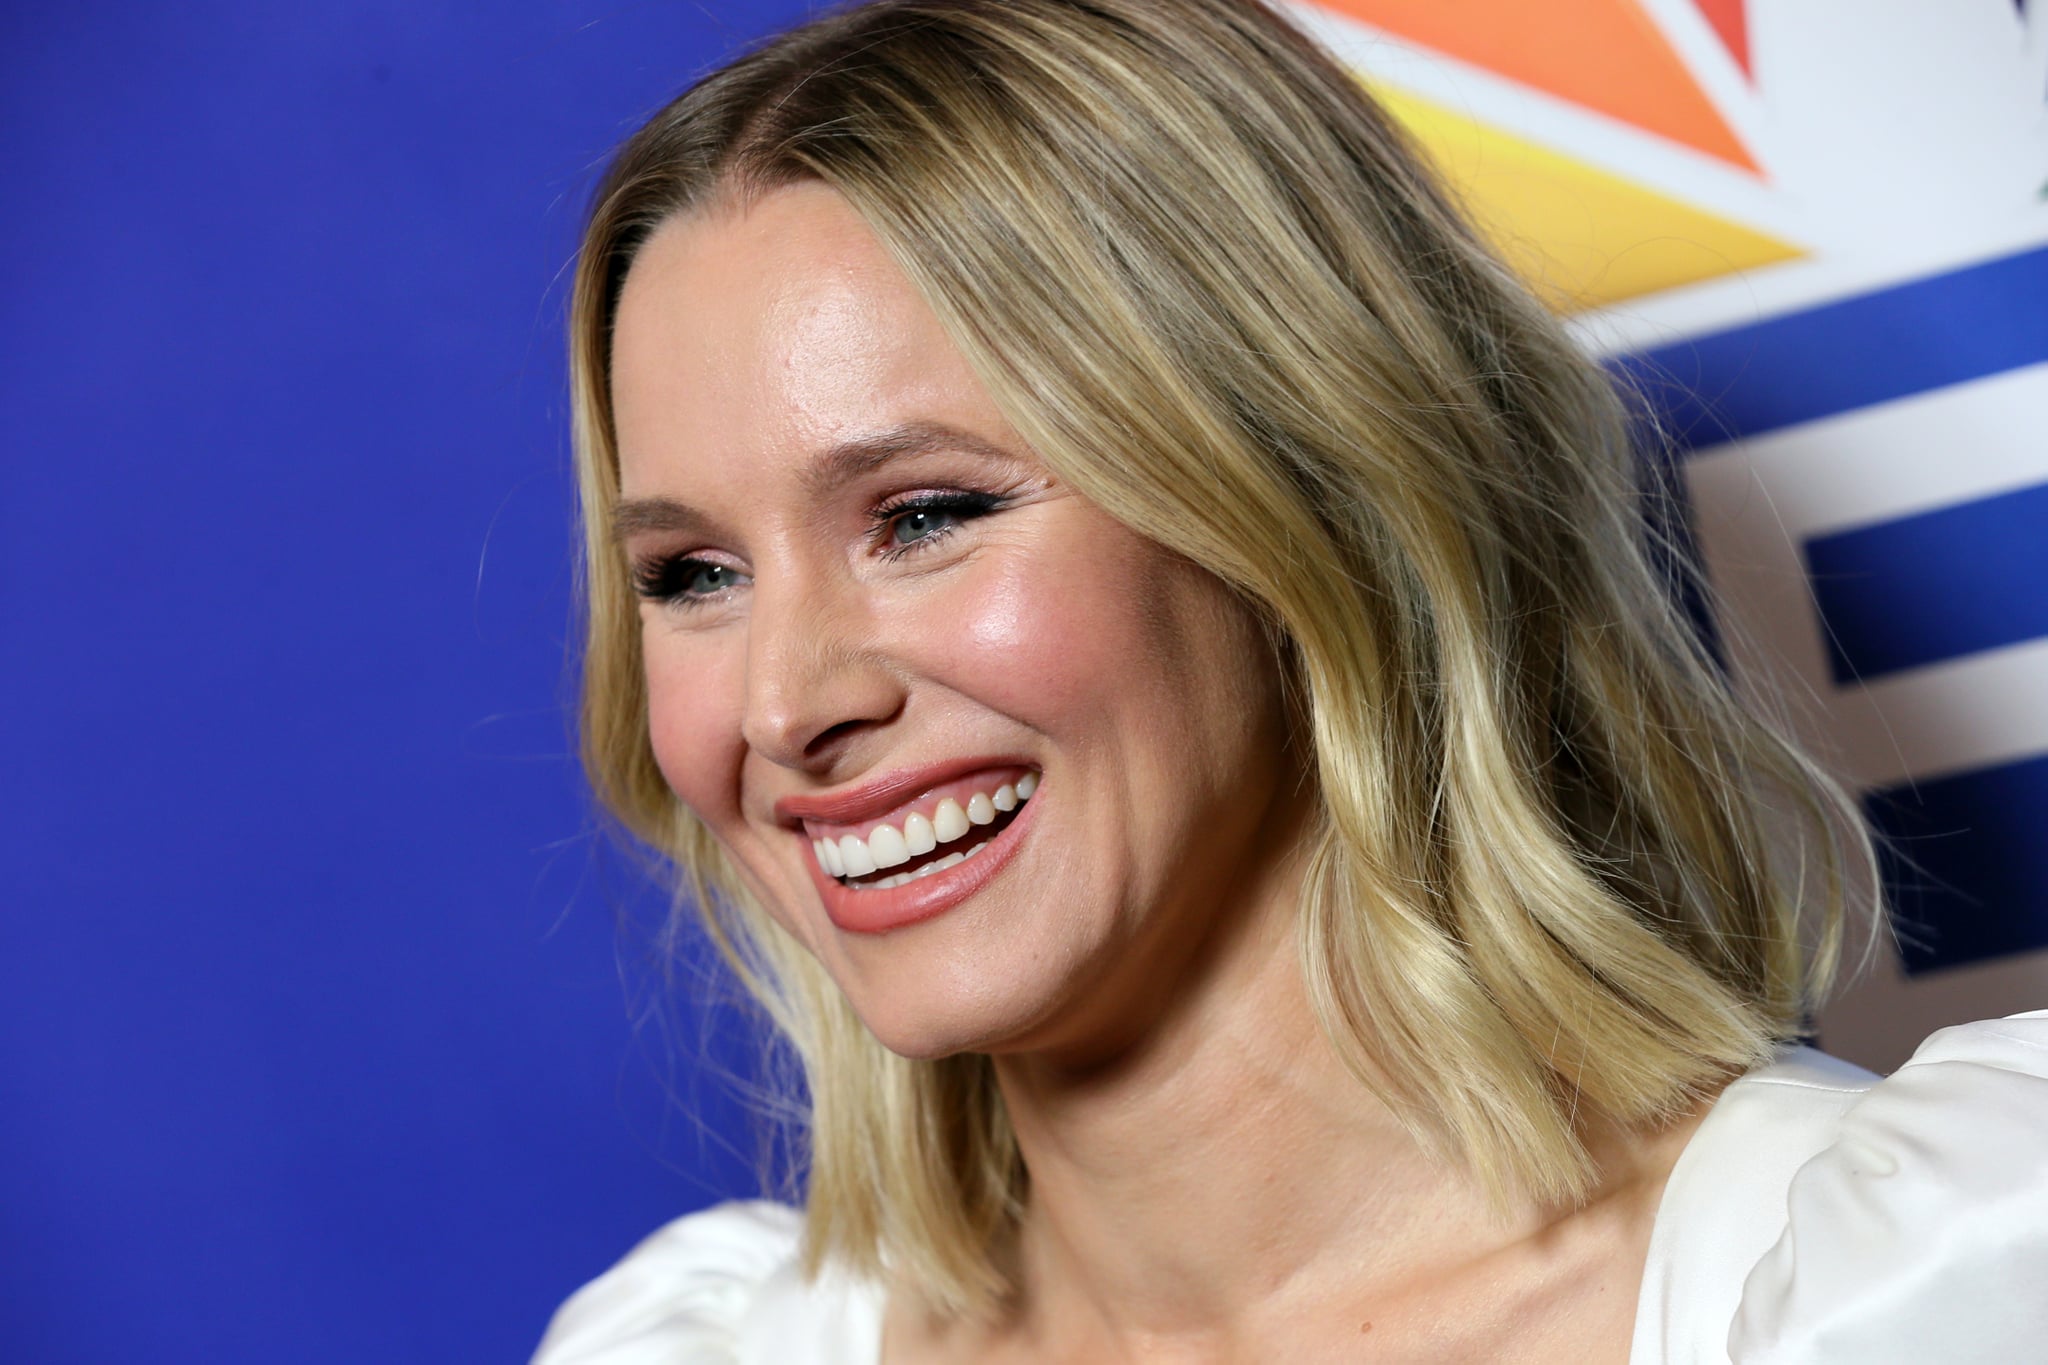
(1212, 286)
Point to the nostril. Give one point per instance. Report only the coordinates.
(829, 738)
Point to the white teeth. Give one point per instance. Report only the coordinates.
(852, 856)
(938, 865)
(917, 834)
(949, 822)
(886, 846)
(853, 851)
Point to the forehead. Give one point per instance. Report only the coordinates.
(749, 336)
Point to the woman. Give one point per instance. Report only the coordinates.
(1141, 636)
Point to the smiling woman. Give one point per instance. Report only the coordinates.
(1143, 642)
(896, 619)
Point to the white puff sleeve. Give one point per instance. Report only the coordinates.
(1921, 1233)
(720, 1287)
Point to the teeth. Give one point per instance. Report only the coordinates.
(950, 860)
(917, 834)
(886, 846)
(905, 878)
(853, 851)
(949, 822)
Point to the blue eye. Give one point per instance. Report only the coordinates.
(917, 521)
(682, 580)
(702, 579)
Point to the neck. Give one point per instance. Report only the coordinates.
(1227, 1166)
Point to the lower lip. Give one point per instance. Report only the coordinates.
(879, 911)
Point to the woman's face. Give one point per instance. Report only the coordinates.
(873, 619)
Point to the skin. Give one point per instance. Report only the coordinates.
(1208, 1183)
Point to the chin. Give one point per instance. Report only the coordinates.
(925, 1024)
(928, 1035)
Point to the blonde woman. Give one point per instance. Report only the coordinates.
(1140, 636)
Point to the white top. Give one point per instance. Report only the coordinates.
(1819, 1215)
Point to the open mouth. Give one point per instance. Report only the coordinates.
(942, 829)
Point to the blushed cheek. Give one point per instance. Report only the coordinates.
(1074, 627)
(693, 722)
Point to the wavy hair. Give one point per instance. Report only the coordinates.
(1560, 869)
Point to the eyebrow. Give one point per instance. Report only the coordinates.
(833, 467)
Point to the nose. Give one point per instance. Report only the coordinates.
(816, 678)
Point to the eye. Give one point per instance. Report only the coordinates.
(910, 527)
(680, 580)
(699, 579)
(914, 522)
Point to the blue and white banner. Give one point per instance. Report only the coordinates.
(1814, 235)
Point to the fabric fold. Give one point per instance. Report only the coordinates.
(1921, 1232)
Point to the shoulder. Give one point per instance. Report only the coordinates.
(1822, 1214)
(1921, 1231)
(1724, 1203)
(720, 1287)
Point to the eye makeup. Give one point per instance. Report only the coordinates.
(899, 526)
(915, 521)
(682, 579)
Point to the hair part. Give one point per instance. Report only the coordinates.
(1213, 287)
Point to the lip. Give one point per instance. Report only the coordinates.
(895, 907)
(885, 793)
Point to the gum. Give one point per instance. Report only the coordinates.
(925, 803)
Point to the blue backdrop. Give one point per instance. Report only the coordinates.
(313, 1042)
(319, 1038)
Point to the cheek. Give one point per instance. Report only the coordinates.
(693, 720)
(1073, 628)
(1032, 650)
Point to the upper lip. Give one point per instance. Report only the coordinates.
(885, 793)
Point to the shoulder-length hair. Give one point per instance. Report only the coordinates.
(1559, 870)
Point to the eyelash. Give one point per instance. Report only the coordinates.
(667, 580)
(962, 506)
